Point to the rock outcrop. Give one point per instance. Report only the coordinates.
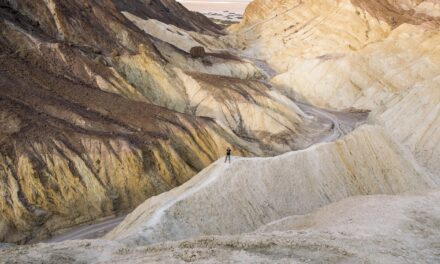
(197, 52)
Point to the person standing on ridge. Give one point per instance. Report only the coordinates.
(228, 154)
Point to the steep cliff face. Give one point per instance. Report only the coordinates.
(373, 55)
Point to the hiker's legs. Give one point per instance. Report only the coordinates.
(226, 158)
(229, 157)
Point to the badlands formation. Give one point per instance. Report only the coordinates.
(103, 107)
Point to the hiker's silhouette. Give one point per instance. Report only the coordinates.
(228, 155)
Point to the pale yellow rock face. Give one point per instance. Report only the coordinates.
(429, 7)
(378, 55)
(336, 53)
(414, 120)
(57, 185)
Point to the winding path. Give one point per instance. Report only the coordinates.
(89, 231)
(342, 122)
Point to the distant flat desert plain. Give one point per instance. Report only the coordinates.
(237, 7)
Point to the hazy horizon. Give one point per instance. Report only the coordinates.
(210, 1)
(236, 6)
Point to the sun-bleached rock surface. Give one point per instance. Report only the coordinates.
(336, 64)
(414, 119)
(176, 36)
(239, 198)
(385, 59)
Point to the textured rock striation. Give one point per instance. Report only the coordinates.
(72, 153)
(377, 55)
(169, 12)
(79, 142)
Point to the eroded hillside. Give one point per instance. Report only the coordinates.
(139, 115)
(78, 141)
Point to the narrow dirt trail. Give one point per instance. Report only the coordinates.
(342, 122)
(89, 231)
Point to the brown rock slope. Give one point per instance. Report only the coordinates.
(78, 141)
(71, 153)
(169, 12)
